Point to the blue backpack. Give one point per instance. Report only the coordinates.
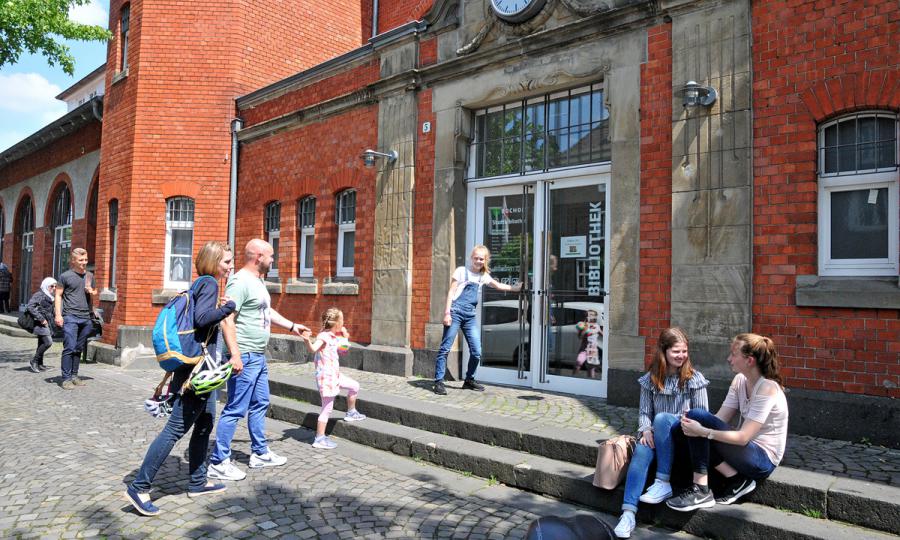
(173, 332)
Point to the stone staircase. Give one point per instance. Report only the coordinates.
(558, 462)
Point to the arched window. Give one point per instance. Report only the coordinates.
(25, 228)
(306, 224)
(61, 224)
(858, 198)
(345, 217)
(273, 233)
(179, 242)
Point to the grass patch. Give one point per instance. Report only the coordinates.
(492, 481)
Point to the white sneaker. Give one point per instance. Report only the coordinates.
(226, 470)
(625, 526)
(657, 493)
(323, 442)
(354, 416)
(269, 459)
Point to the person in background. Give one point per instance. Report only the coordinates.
(40, 306)
(5, 286)
(73, 314)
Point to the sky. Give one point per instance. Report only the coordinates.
(28, 88)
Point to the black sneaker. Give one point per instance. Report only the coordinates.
(470, 384)
(691, 499)
(439, 388)
(735, 488)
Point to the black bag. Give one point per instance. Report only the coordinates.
(26, 321)
(96, 326)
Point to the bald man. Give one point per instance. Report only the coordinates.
(247, 338)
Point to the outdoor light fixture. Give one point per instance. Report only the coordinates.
(695, 94)
(369, 156)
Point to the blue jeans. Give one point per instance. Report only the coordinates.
(248, 394)
(75, 333)
(465, 321)
(187, 411)
(750, 461)
(643, 457)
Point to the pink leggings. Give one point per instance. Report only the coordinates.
(348, 384)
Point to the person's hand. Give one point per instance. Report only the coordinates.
(225, 299)
(344, 332)
(518, 287)
(306, 334)
(447, 320)
(236, 365)
(298, 329)
(692, 428)
(59, 320)
(46, 322)
(647, 439)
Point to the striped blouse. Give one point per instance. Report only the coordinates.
(671, 399)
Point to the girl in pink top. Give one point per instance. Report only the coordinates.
(750, 452)
(332, 341)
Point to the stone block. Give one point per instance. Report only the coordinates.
(730, 168)
(690, 209)
(284, 348)
(689, 173)
(390, 281)
(132, 336)
(340, 288)
(855, 501)
(711, 322)
(396, 361)
(391, 308)
(297, 286)
(729, 130)
(387, 332)
(728, 284)
(625, 352)
(398, 59)
(731, 206)
(726, 245)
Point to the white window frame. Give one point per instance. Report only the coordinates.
(346, 224)
(124, 34)
(854, 181)
(307, 236)
(272, 223)
(173, 225)
(62, 230)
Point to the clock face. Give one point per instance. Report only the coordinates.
(517, 10)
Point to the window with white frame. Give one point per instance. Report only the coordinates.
(306, 224)
(113, 240)
(62, 230)
(179, 241)
(345, 217)
(858, 195)
(124, 32)
(273, 234)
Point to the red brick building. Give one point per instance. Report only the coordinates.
(562, 134)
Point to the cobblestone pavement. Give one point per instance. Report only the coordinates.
(65, 457)
(838, 458)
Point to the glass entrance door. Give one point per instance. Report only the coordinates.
(551, 235)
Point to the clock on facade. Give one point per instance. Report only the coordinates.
(516, 11)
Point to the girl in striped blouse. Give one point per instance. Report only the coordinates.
(671, 387)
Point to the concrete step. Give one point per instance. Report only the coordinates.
(9, 326)
(563, 480)
(865, 504)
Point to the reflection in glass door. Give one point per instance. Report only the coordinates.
(572, 291)
(506, 221)
(551, 235)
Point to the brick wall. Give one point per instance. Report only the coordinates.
(656, 187)
(394, 13)
(813, 61)
(320, 159)
(167, 128)
(67, 148)
(423, 212)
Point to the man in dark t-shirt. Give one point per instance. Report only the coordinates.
(73, 314)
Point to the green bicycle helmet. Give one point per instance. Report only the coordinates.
(208, 380)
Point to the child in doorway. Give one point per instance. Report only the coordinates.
(590, 332)
(460, 313)
(332, 341)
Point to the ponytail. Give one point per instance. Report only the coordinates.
(762, 349)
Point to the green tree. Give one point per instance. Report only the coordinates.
(36, 25)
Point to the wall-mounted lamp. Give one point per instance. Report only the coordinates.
(369, 156)
(695, 94)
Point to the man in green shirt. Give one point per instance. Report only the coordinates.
(247, 338)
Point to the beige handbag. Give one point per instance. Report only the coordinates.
(613, 457)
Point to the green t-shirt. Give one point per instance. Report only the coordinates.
(253, 310)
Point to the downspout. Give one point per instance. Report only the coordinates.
(374, 18)
(236, 126)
